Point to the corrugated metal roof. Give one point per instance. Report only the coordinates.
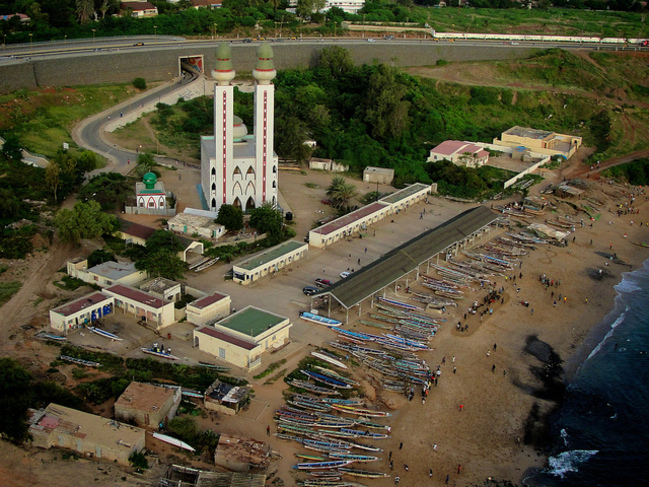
(407, 257)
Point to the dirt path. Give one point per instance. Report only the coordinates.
(17, 311)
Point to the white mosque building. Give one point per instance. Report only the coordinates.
(236, 168)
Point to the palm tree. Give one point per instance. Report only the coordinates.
(85, 10)
(340, 192)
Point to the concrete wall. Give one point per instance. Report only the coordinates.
(162, 64)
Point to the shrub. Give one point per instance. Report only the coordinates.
(139, 83)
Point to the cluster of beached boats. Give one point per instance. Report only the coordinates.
(335, 430)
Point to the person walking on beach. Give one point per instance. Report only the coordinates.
(390, 456)
(504, 372)
(400, 445)
(268, 430)
(448, 477)
(434, 446)
(405, 466)
(495, 346)
(459, 469)
(430, 473)
(493, 369)
(461, 407)
(397, 480)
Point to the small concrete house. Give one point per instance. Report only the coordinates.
(86, 434)
(226, 398)
(208, 309)
(81, 312)
(381, 175)
(146, 405)
(107, 273)
(459, 153)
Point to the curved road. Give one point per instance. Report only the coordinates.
(89, 133)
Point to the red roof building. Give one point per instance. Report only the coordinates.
(460, 153)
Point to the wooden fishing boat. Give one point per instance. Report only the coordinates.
(49, 336)
(325, 473)
(152, 351)
(105, 334)
(326, 444)
(310, 405)
(218, 368)
(399, 304)
(301, 384)
(360, 411)
(284, 436)
(362, 473)
(329, 359)
(335, 375)
(352, 457)
(313, 458)
(338, 384)
(79, 361)
(384, 318)
(321, 465)
(174, 441)
(320, 320)
(374, 325)
(365, 434)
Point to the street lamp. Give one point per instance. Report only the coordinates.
(31, 37)
(65, 39)
(155, 34)
(93, 38)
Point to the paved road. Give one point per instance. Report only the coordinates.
(89, 133)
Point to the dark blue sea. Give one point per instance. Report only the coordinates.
(601, 432)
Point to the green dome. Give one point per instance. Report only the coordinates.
(264, 51)
(223, 57)
(150, 180)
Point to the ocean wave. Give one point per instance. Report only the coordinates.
(615, 324)
(568, 461)
(627, 286)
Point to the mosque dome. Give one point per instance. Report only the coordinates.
(264, 70)
(149, 180)
(240, 129)
(223, 72)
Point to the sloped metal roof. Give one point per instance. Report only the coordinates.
(409, 256)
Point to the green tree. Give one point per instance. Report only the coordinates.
(110, 190)
(14, 399)
(305, 8)
(231, 217)
(161, 258)
(100, 256)
(385, 110)
(53, 178)
(164, 240)
(340, 192)
(267, 219)
(145, 163)
(11, 148)
(290, 135)
(85, 220)
(85, 10)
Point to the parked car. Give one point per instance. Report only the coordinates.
(370, 40)
(323, 282)
(310, 290)
(345, 274)
(138, 44)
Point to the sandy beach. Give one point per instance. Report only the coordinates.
(495, 381)
(497, 388)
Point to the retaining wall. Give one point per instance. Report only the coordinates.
(162, 64)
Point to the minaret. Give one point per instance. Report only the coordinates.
(223, 127)
(265, 159)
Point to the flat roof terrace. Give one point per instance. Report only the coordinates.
(404, 193)
(270, 255)
(251, 321)
(343, 221)
(528, 132)
(81, 303)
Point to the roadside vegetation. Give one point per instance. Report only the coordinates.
(55, 19)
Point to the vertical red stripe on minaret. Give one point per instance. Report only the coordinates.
(264, 138)
(225, 143)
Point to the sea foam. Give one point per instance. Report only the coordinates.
(568, 461)
(619, 320)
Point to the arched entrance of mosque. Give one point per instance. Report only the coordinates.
(250, 204)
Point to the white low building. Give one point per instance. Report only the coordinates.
(198, 223)
(208, 309)
(107, 273)
(349, 6)
(242, 337)
(459, 153)
(81, 312)
(358, 221)
(143, 305)
(268, 262)
(380, 175)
